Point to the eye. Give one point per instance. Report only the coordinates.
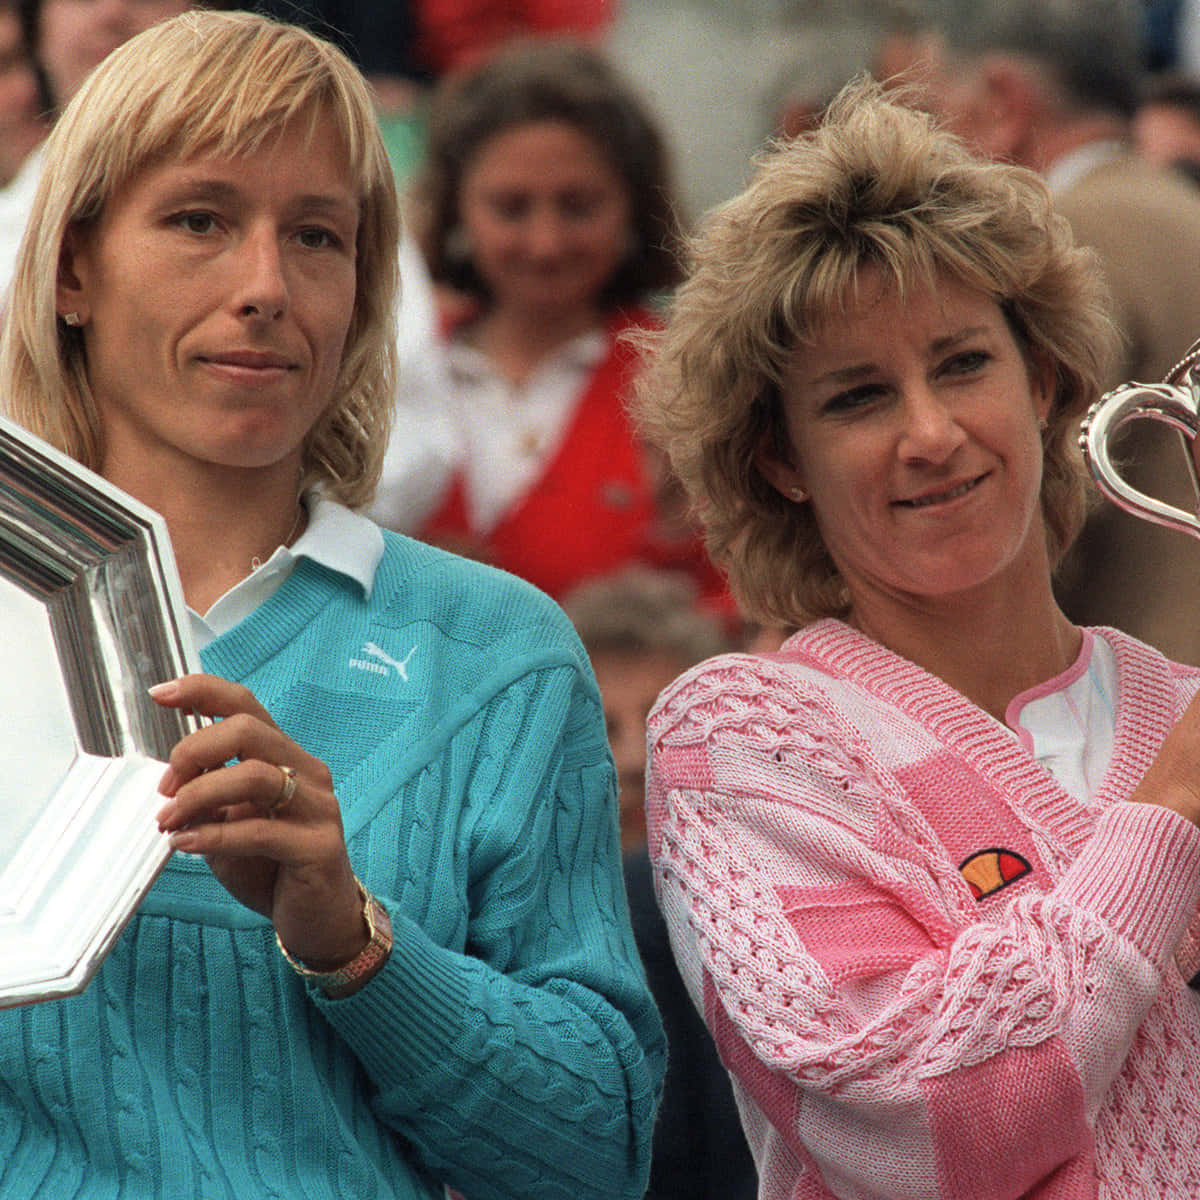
(316, 237)
(854, 399)
(578, 206)
(197, 221)
(966, 363)
(509, 206)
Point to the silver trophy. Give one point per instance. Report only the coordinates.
(91, 615)
(1174, 402)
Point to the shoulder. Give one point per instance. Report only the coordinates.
(1147, 675)
(756, 706)
(824, 669)
(473, 604)
(1128, 185)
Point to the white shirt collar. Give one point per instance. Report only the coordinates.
(581, 353)
(1067, 171)
(335, 537)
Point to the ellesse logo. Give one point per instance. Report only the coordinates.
(987, 871)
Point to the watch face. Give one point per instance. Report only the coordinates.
(91, 614)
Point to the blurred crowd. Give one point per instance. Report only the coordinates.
(552, 155)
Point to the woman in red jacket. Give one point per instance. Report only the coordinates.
(548, 210)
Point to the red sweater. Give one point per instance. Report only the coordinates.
(457, 33)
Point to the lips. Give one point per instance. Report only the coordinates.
(250, 360)
(943, 495)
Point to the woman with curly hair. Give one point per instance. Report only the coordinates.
(932, 869)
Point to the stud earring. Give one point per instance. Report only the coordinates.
(798, 494)
(72, 319)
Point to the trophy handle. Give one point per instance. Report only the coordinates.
(1171, 403)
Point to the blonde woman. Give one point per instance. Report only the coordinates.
(395, 957)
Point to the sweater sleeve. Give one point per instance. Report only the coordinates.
(895, 1041)
(528, 1063)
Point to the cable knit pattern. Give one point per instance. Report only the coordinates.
(509, 1048)
(889, 1034)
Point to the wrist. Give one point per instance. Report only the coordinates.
(346, 979)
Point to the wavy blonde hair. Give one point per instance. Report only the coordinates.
(219, 83)
(875, 184)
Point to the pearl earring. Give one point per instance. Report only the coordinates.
(72, 319)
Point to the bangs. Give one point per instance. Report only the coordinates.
(180, 96)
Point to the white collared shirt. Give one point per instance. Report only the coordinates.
(16, 203)
(1069, 723)
(458, 417)
(511, 431)
(335, 537)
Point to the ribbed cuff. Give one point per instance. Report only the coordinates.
(1140, 874)
(405, 1020)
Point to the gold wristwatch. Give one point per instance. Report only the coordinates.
(348, 978)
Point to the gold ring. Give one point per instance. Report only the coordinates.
(287, 789)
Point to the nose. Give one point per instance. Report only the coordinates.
(545, 233)
(931, 432)
(260, 288)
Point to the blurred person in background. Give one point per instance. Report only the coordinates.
(65, 39)
(1167, 124)
(454, 35)
(69, 38)
(642, 628)
(21, 123)
(1054, 85)
(546, 209)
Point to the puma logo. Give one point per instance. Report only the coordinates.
(371, 650)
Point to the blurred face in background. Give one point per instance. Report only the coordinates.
(75, 35)
(547, 219)
(1167, 134)
(20, 125)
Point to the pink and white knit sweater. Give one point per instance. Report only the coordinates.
(930, 971)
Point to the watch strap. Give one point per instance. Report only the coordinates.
(349, 977)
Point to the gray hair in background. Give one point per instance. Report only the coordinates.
(1094, 49)
(644, 610)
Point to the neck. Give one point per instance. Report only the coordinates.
(220, 522)
(1052, 141)
(517, 341)
(988, 647)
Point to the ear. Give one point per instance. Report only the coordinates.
(1009, 103)
(73, 281)
(1043, 385)
(780, 472)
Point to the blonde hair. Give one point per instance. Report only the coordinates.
(875, 184)
(222, 84)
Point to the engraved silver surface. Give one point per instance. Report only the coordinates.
(91, 614)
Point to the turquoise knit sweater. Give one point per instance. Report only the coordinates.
(509, 1048)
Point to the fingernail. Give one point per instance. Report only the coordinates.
(184, 840)
(164, 691)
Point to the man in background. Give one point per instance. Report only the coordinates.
(1053, 85)
(64, 40)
